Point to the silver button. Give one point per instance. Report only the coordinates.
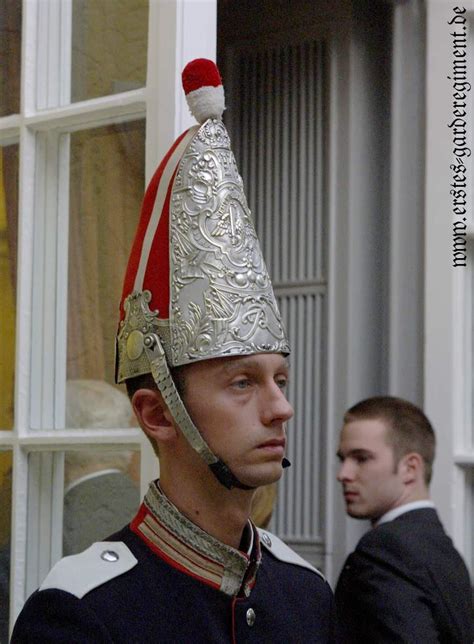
(266, 539)
(109, 555)
(250, 617)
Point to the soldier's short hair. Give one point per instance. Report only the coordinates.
(146, 381)
(409, 430)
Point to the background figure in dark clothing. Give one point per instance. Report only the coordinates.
(405, 581)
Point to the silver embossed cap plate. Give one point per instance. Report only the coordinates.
(221, 301)
(221, 297)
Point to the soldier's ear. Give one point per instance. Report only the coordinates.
(153, 415)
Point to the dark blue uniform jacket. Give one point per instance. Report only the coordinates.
(160, 600)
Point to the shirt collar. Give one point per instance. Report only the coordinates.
(396, 512)
(187, 547)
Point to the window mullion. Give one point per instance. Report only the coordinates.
(27, 197)
(9, 129)
(54, 53)
(45, 516)
(62, 224)
(19, 532)
(64, 59)
(56, 508)
(92, 113)
(177, 33)
(60, 439)
(45, 282)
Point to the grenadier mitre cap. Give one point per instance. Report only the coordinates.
(196, 276)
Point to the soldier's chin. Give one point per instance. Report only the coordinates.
(263, 475)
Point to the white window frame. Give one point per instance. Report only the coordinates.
(177, 32)
(448, 293)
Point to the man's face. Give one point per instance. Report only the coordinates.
(240, 407)
(371, 483)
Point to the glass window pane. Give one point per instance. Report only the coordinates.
(5, 527)
(10, 52)
(101, 495)
(109, 45)
(106, 190)
(8, 257)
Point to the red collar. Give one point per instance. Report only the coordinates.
(186, 547)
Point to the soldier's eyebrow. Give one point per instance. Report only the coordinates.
(239, 364)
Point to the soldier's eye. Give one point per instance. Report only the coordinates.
(282, 382)
(242, 383)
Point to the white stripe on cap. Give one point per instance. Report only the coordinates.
(163, 186)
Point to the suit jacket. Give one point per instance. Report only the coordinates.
(177, 584)
(405, 582)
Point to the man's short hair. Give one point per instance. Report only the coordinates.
(146, 381)
(409, 430)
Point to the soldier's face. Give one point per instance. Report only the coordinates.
(371, 481)
(240, 407)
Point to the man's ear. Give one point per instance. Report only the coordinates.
(153, 415)
(411, 467)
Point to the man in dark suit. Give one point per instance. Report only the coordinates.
(405, 581)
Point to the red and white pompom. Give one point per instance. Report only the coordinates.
(202, 85)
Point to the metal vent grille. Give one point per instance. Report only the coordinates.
(277, 128)
(298, 512)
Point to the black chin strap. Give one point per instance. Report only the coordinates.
(225, 476)
(229, 480)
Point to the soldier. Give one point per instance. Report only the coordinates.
(203, 352)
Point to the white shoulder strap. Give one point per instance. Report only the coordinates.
(79, 574)
(281, 551)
